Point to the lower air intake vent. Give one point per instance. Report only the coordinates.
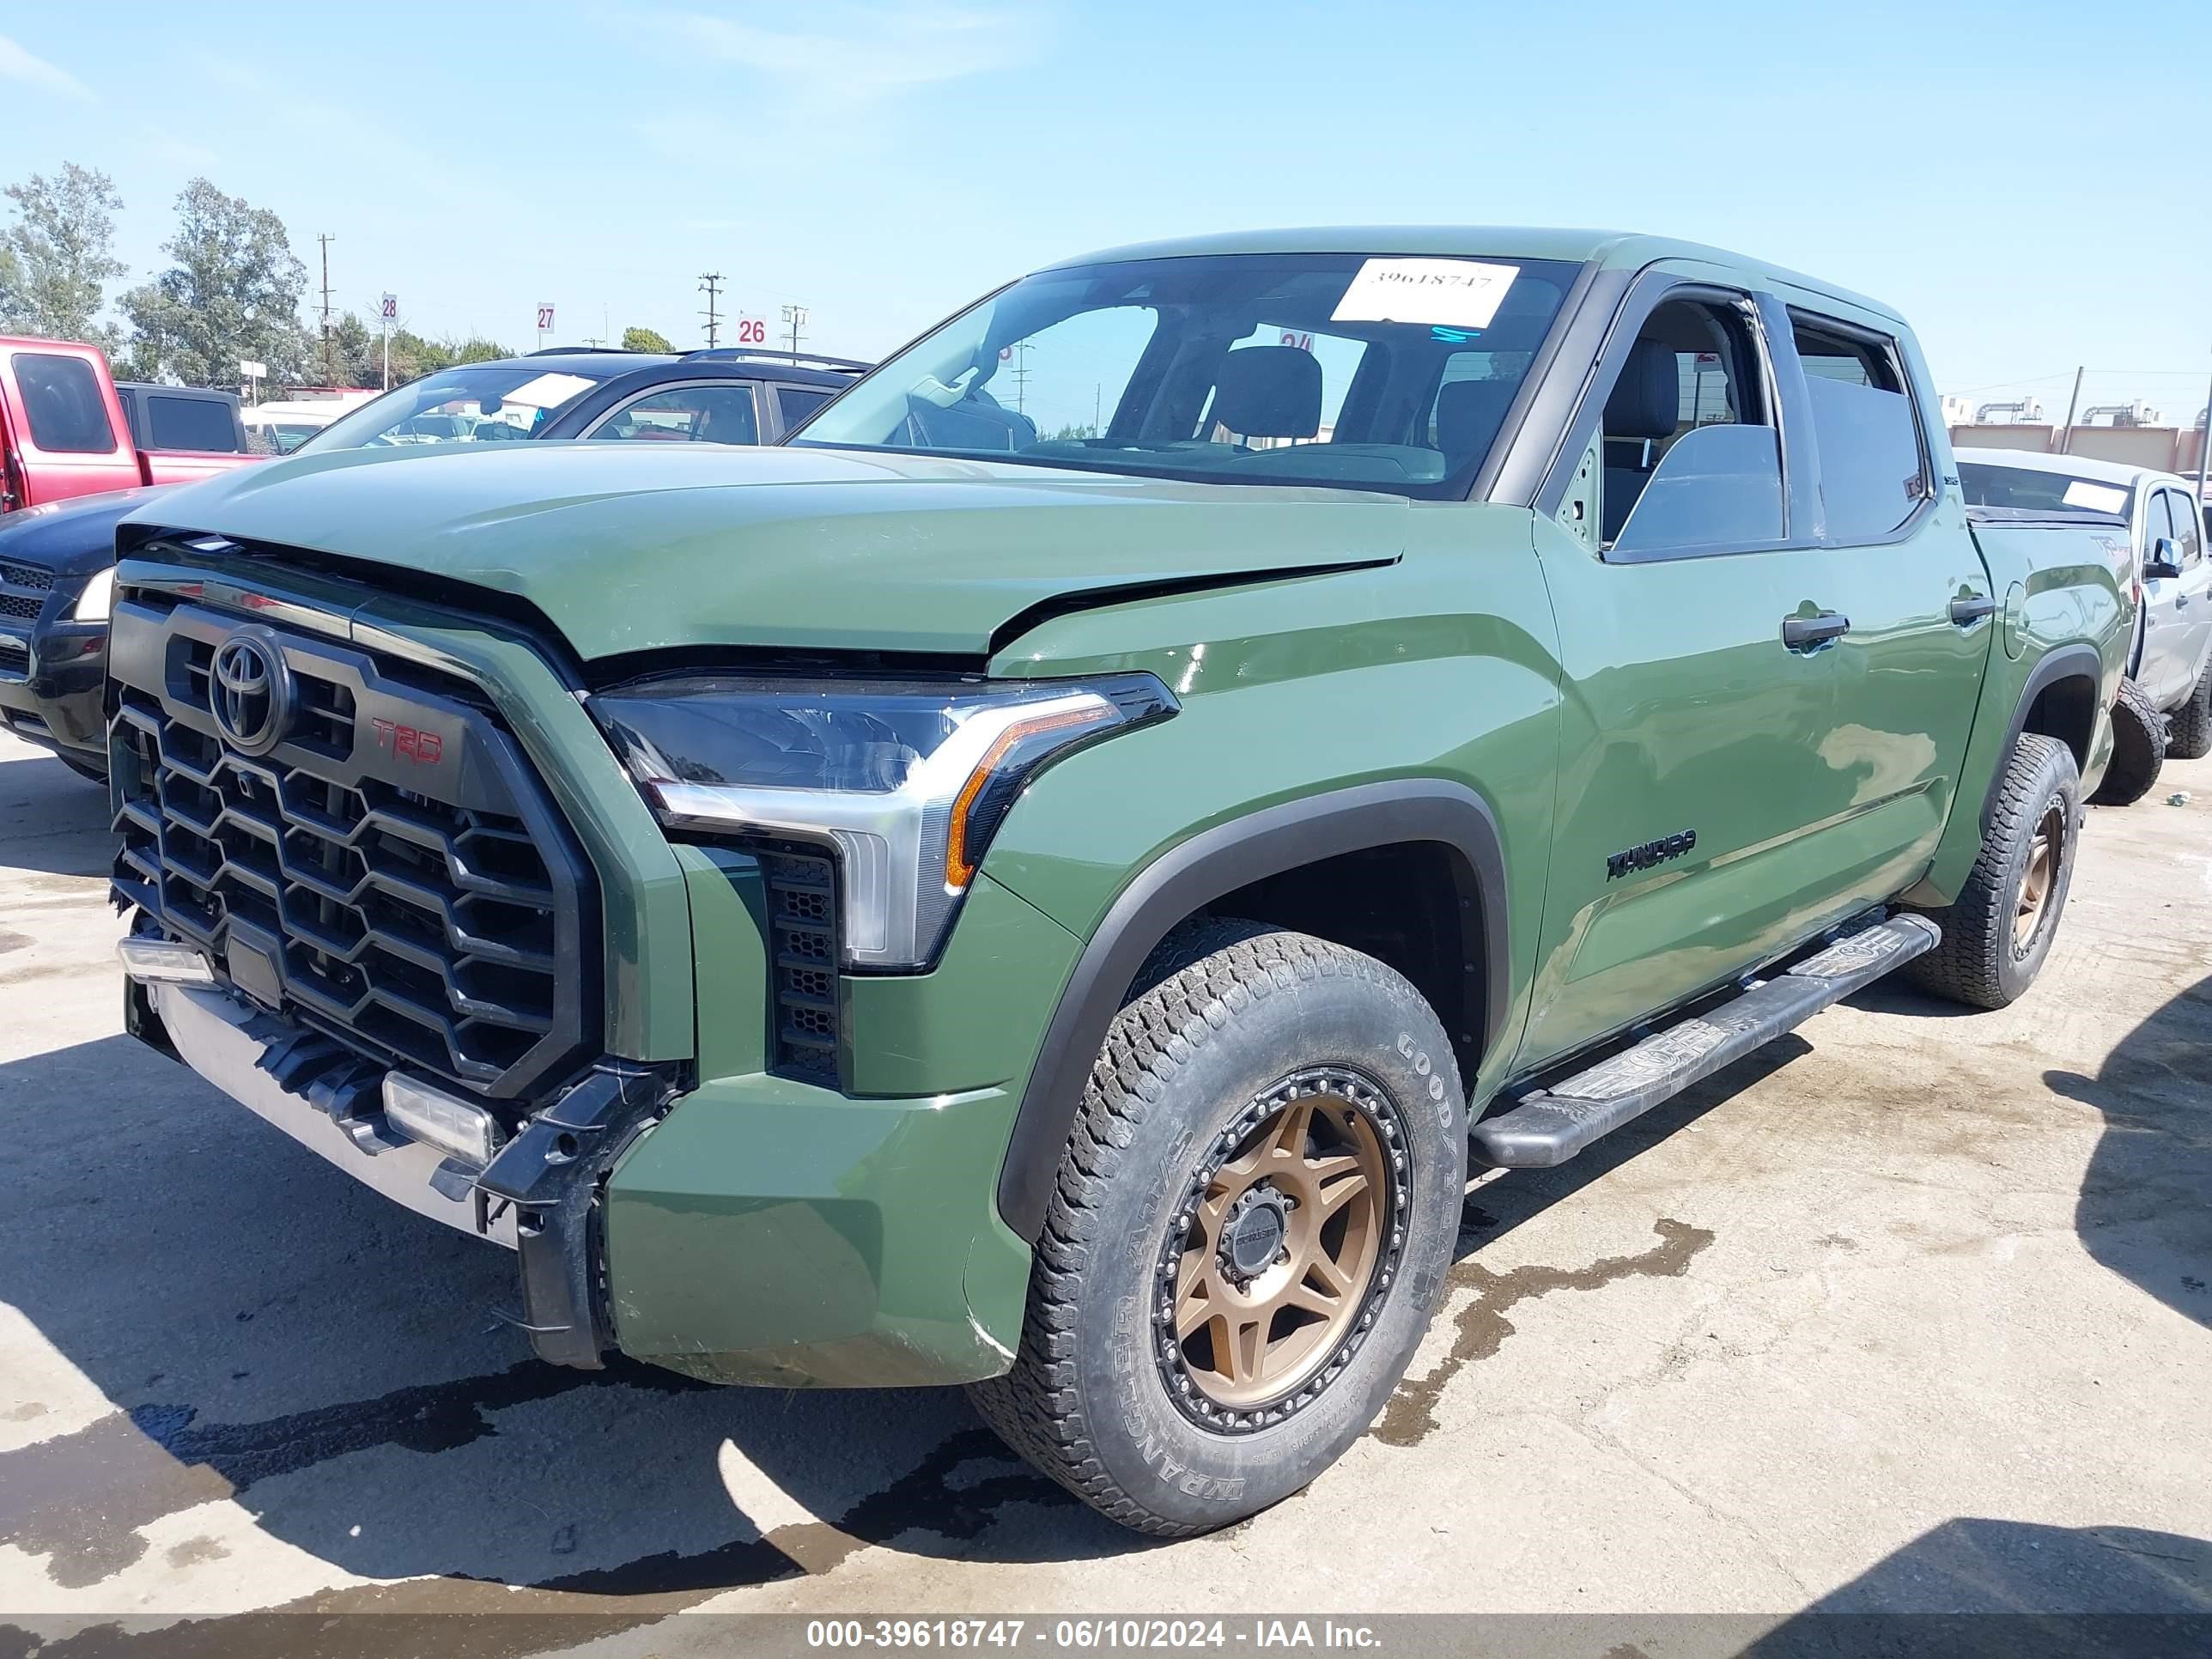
(802, 911)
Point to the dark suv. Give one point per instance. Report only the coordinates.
(56, 563)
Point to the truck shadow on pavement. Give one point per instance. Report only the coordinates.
(52, 823)
(1979, 1588)
(234, 1319)
(2145, 1206)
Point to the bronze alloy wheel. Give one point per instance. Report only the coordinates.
(2043, 853)
(1283, 1250)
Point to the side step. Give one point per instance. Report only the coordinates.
(1551, 1126)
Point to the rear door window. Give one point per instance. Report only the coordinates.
(202, 423)
(1873, 470)
(720, 413)
(61, 397)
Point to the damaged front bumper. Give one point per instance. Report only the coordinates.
(536, 1195)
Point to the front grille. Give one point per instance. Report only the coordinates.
(802, 919)
(390, 874)
(14, 656)
(23, 590)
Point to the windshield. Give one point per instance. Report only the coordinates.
(457, 406)
(1346, 369)
(2032, 490)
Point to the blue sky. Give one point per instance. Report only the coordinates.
(2025, 180)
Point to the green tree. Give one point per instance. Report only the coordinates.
(57, 258)
(234, 293)
(645, 339)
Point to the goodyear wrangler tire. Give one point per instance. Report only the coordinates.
(1248, 1234)
(2138, 748)
(1998, 931)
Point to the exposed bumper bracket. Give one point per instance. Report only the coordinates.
(550, 1173)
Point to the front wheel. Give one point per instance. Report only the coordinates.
(1998, 931)
(2191, 737)
(1249, 1235)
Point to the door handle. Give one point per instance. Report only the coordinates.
(2181, 602)
(1811, 633)
(1970, 608)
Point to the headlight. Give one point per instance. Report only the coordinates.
(98, 598)
(908, 780)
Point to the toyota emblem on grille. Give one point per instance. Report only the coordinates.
(250, 692)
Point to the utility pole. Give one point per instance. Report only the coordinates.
(2203, 449)
(1021, 378)
(2066, 433)
(710, 284)
(326, 238)
(794, 318)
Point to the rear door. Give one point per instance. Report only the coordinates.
(1902, 566)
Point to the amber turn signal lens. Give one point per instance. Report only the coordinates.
(959, 868)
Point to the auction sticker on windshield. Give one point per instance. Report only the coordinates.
(2094, 497)
(1458, 293)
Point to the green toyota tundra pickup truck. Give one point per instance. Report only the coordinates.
(1048, 880)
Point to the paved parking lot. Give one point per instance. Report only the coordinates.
(1909, 1312)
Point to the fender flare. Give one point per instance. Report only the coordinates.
(1218, 861)
(2065, 662)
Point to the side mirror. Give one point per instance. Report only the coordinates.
(2165, 560)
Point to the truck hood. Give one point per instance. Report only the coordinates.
(628, 547)
(74, 536)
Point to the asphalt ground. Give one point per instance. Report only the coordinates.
(1908, 1314)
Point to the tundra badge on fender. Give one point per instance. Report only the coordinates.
(1652, 852)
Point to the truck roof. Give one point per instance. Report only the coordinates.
(2073, 466)
(1615, 249)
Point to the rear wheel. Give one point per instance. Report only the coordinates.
(1997, 932)
(1248, 1234)
(2191, 728)
(2138, 748)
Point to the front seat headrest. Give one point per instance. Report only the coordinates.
(1647, 399)
(1268, 391)
(1468, 414)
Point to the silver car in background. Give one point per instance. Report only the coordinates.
(2166, 524)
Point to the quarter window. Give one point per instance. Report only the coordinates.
(796, 403)
(61, 396)
(1873, 473)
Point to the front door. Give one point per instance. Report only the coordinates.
(1696, 642)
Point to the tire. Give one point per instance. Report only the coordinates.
(2191, 732)
(1982, 961)
(2138, 748)
(1226, 1018)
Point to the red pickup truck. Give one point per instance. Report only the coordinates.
(65, 429)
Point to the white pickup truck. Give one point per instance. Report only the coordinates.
(2171, 657)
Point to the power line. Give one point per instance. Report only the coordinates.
(710, 284)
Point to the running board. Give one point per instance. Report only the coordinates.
(1551, 1126)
